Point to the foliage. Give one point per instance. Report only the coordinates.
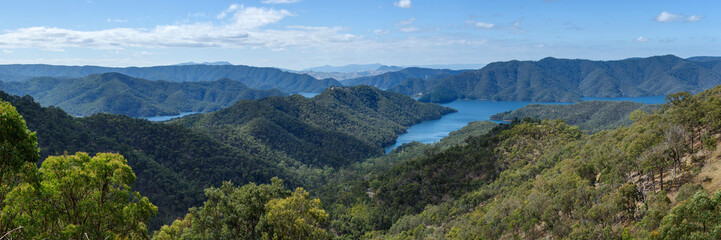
(18, 153)
(295, 217)
(81, 197)
(251, 212)
(591, 116)
(697, 218)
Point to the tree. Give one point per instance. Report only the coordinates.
(685, 109)
(295, 217)
(675, 142)
(229, 213)
(655, 158)
(697, 218)
(82, 197)
(18, 154)
(626, 198)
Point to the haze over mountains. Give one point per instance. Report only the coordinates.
(254, 77)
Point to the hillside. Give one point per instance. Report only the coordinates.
(591, 116)
(546, 179)
(568, 80)
(122, 94)
(390, 79)
(340, 123)
(174, 163)
(254, 77)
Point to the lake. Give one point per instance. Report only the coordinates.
(481, 110)
(166, 118)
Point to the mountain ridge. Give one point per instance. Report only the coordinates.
(122, 94)
(255, 77)
(553, 79)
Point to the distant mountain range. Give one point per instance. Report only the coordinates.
(553, 79)
(389, 79)
(122, 94)
(254, 77)
(219, 63)
(353, 68)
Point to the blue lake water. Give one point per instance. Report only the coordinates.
(308, 94)
(166, 118)
(647, 100)
(481, 110)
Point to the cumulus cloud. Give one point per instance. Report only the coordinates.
(666, 16)
(240, 27)
(693, 18)
(279, 1)
(409, 29)
(641, 39)
(485, 25)
(403, 4)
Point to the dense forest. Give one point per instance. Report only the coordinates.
(254, 77)
(121, 94)
(175, 163)
(390, 79)
(567, 80)
(591, 116)
(653, 178)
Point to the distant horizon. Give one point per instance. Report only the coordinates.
(221, 62)
(301, 34)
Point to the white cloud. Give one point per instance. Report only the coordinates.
(693, 18)
(380, 31)
(231, 8)
(279, 1)
(666, 16)
(241, 27)
(409, 29)
(484, 25)
(641, 39)
(116, 20)
(403, 4)
(252, 17)
(7, 51)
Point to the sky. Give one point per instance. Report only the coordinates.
(298, 34)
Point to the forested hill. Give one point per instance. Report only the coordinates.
(340, 124)
(552, 79)
(122, 94)
(656, 178)
(294, 138)
(389, 79)
(254, 77)
(591, 116)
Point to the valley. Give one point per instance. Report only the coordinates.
(350, 120)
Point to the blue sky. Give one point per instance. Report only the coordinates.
(298, 34)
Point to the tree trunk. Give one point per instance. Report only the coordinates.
(661, 172)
